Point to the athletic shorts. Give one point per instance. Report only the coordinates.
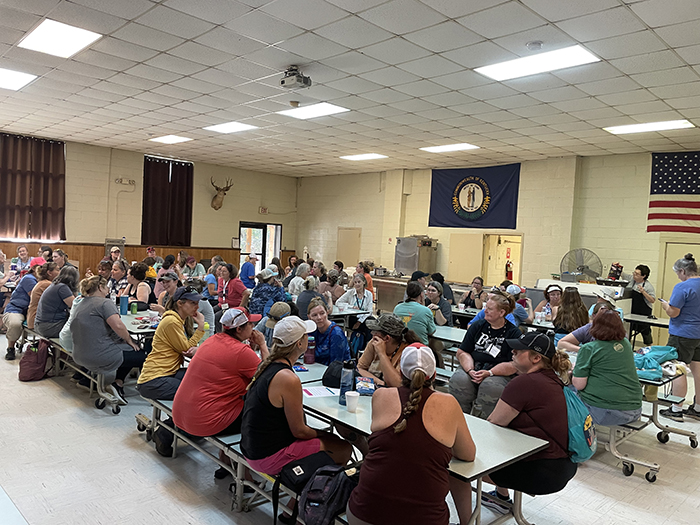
(272, 465)
(688, 349)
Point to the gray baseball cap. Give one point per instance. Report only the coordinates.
(388, 323)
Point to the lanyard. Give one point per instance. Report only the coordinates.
(358, 304)
(225, 289)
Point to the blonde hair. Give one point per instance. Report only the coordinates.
(416, 384)
(276, 352)
(559, 362)
(92, 284)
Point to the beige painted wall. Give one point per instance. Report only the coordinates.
(97, 207)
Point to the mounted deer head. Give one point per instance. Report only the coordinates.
(218, 199)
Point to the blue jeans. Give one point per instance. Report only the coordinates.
(608, 417)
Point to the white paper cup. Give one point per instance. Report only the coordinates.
(351, 399)
(341, 307)
(461, 307)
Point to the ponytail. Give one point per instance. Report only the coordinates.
(559, 362)
(416, 384)
(276, 352)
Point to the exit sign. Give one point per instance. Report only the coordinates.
(262, 210)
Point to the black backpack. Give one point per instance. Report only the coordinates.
(326, 495)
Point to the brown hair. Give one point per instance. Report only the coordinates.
(189, 322)
(92, 284)
(572, 313)
(138, 271)
(559, 362)
(416, 383)
(607, 326)
(43, 271)
(316, 301)
(504, 300)
(551, 288)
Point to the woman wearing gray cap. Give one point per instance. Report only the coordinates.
(266, 292)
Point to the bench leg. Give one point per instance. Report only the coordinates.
(628, 462)
(666, 430)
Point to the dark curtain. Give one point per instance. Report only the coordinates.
(167, 202)
(32, 188)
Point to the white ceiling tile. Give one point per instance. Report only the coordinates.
(628, 97)
(650, 62)
(175, 92)
(312, 46)
(443, 37)
(667, 77)
(354, 85)
(19, 20)
(258, 89)
(551, 37)
(395, 51)
(219, 78)
(141, 81)
(641, 42)
(174, 22)
(608, 86)
(354, 63)
(454, 9)
(578, 104)
(643, 107)
(201, 54)
(315, 13)
(36, 7)
(461, 80)
(603, 24)
(234, 95)
(355, 6)
(657, 13)
(263, 27)
(502, 20)
(353, 32)
(148, 37)
(431, 66)
(103, 60)
(680, 35)
(174, 64)
(587, 73)
(120, 48)
(690, 54)
(86, 18)
(214, 11)
(275, 58)
(196, 85)
(247, 69)
(113, 87)
(10, 36)
(73, 66)
(390, 76)
(403, 16)
(421, 88)
(152, 73)
(448, 99)
(481, 54)
(689, 89)
(489, 91)
(515, 101)
(123, 8)
(556, 11)
(385, 96)
(535, 83)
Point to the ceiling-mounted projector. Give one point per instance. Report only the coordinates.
(294, 79)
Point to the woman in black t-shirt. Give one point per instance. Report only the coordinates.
(485, 359)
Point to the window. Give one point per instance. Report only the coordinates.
(167, 202)
(32, 188)
(260, 238)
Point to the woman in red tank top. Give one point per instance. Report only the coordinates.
(415, 433)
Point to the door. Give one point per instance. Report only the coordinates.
(466, 251)
(263, 239)
(502, 254)
(673, 252)
(348, 250)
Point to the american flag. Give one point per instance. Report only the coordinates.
(674, 204)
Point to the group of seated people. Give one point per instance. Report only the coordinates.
(241, 379)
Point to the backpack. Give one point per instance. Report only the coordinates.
(357, 343)
(582, 439)
(326, 495)
(32, 366)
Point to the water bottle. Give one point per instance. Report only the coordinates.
(346, 380)
(310, 354)
(123, 305)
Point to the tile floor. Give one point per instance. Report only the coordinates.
(63, 462)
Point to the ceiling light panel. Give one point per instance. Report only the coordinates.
(170, 139)
(14, 80)
(364, 156)
(649, 126)
(230, 127)
(540, 63)
(316, 110)
(449, 147)
(61, 40)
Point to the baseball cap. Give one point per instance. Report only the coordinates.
(278, 311)
(115, 249)
(553, 288)
(418, 274)
(417, 357)
(290, 329)
(513, 289)
(388, 323)
(36, 261)
(273, 269)
(234, 317)
(265, 274)
(253, 256)
(190, 259)
(187, 293)
(168, 276)
(536, 341)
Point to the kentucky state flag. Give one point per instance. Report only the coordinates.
(475, 197)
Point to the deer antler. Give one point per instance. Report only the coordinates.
(213, 184)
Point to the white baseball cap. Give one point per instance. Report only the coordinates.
(253, 256)
(235, 317)
(417, 357)
(290, 329)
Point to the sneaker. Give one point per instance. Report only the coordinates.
(691, 412)
(221, 473)
(494, 502)
(10, 355)
(118, 392)
(670, 414)
(163, 448)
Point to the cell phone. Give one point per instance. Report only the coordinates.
(663, 300)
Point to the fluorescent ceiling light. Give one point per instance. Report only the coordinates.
(364, 156)
(300, 163)
(449, 147)
(14, 80)
(230, 127)
(649, 126)
(540, 63)
(61, 40)
(316, 110)
(170, 139)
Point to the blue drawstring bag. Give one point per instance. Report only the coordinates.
(647, 367)
(582, 439)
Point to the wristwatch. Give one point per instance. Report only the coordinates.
(490, 373)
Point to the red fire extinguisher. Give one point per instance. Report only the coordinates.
(509, 270)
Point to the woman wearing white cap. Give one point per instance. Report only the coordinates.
(274, 431)
(415, 433)
(266, 292)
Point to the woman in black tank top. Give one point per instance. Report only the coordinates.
(273, 430)
(138, 290)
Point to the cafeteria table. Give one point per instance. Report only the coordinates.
(496, 447)
(646, 320)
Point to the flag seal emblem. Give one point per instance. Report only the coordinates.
(471, 198)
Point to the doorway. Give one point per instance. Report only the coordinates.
(348, 250)
(262, 239)
(502, 258)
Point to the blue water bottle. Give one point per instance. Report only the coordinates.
(124, 305)
(346, 379)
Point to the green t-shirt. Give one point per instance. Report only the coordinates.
(418, 318)
(612, 376)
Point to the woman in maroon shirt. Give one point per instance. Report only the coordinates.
(415, 433)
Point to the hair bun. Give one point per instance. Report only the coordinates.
(689, 257)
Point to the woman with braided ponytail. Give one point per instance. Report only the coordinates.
(274, 431)
(415, 433)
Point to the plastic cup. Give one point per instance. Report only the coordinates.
(351, 399)
(341, 307)
(461, 307)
